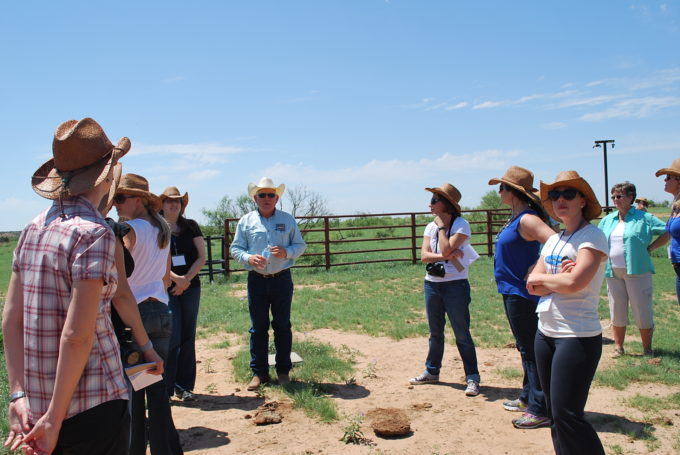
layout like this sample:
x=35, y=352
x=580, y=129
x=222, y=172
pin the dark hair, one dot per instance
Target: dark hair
x=181, y=223
x=626, y=188
x=538, y=208
x=450, y=208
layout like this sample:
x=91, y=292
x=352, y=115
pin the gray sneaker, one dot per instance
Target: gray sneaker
x=515, y=406
x=425, y=378
x=472, y=389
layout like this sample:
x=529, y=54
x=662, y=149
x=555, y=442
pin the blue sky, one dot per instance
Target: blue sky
x=363, y=101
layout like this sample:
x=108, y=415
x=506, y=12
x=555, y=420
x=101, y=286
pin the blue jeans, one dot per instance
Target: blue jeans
x=265, y=294
x=180, y=370
x=450, y=298
x=162, y=435
x=523, y=321
x=566, y=367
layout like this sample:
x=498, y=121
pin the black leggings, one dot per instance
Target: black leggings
x=566, y=367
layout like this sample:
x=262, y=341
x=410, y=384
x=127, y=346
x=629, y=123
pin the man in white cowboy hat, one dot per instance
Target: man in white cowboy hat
x=63, y=361
x=267, y=241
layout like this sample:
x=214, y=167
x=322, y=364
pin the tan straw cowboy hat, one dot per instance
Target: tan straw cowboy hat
x=673, y=170
x=136, y=185
x=571, y=179
x=265, y=183
x=82, y=157
x=449, y=192
x=520, y=179
x=172, y=192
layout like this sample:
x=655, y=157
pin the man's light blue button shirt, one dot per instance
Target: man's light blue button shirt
x=255, y=232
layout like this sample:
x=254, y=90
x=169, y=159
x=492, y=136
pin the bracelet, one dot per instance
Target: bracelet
x=147, y=347
x=16, y=395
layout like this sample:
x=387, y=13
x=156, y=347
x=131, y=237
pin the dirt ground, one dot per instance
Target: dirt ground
x=443, y=420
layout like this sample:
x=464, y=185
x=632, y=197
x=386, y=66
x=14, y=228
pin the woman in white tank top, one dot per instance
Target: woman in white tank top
x=149, y=244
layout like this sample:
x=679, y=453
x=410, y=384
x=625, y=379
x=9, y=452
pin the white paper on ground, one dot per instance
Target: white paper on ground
x=140, y=377
x=294, y=358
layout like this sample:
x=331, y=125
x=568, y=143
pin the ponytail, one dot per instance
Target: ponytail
x=163, y=227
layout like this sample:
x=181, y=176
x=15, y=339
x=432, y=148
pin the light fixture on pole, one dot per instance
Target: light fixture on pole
x=603, y=144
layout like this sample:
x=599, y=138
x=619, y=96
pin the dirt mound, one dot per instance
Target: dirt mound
x=389, y=422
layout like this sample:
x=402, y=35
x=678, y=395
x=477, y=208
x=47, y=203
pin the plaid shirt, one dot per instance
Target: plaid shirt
x=53, y=253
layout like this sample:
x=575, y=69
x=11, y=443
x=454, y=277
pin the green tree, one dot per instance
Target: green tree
x=491, y=200
x=228, y=208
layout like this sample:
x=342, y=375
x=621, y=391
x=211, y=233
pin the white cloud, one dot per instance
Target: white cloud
x=634, y=107
x=460, y=105
x=487, y=104
x=206, y=174
x=206, y=153
x=22, y=211
x=554, y=125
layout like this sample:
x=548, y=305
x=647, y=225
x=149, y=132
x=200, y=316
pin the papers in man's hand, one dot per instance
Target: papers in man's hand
x=140, y=377
x=470, y=255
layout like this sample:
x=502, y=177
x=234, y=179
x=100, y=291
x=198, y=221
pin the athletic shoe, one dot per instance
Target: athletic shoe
x=529, y=421
x=472, y=389
x=618, y=352
x=185, y=395
x=648, y=353
x=515, y=405
x=425, y=378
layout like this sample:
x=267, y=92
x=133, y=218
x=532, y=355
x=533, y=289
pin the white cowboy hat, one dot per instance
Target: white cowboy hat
x=265, y=182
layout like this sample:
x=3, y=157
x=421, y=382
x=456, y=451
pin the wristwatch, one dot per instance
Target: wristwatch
x=16, y=395
x=441, y=228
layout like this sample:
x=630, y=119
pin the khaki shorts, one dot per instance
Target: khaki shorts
x=623, y=289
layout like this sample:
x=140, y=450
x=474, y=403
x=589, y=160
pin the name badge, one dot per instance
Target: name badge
x=178, y=260
x=281, y=227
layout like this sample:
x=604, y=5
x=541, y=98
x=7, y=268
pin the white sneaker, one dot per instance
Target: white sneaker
x=472, y=389
x=425, y=378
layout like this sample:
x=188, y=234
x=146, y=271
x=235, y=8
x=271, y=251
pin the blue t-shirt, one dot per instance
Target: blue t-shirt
x=673, y=228
x=512, y=260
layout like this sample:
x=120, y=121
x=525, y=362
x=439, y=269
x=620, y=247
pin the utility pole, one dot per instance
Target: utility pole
x=603, y=144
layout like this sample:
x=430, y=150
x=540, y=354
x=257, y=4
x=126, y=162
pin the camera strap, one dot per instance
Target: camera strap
x=454, y=261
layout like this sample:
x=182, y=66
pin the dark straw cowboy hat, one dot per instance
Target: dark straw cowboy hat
x=673, y=170
x=520, y=179
x=172, y=192
x=571, y=179
x=449, y=192
x=82, y=158
x=107, y=201
x=136, y=185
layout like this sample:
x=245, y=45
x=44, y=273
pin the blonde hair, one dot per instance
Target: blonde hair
x=162, y=225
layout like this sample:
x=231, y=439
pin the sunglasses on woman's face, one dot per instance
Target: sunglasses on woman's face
x=120, y=198
x=567, y=194
x=670, y=177
x=264, y=195
x=617, y=196
x=502, y=188
x=434, y=200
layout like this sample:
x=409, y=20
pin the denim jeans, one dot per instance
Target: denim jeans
x=161, y=435
x=265, y=294
x=180, y=370
x=450, y=298
x=566, y=367
x=523, y=321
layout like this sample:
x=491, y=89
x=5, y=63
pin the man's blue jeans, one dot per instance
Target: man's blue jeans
x=450, y=298
x=180, y=370
x=523, y=321
x=265, y=294
x=159, y=429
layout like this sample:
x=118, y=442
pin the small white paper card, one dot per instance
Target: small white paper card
x=178, y=260
x=140, y=377
x=544, y=304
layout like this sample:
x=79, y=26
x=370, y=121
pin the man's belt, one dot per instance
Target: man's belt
x=269, y=275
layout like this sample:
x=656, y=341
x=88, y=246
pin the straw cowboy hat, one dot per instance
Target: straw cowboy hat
x=107, y=201
x=136, y=185
x=449, y=192
x=571, y=179
x=172, y=192
x=643, y=200
x=673, y=170
x=82, y=158
x=520, y=179
x=267, y=183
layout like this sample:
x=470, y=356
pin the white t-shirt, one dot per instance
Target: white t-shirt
x=616, y=254
x=572, y=315
x=460, y=226
x=151, y=263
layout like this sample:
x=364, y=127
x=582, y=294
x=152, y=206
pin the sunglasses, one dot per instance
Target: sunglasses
x=434, y=200
x=120, y=198
x=264, y=195
x=617, y=196
x=670, y=177
x=502, y=187
x=568, y=194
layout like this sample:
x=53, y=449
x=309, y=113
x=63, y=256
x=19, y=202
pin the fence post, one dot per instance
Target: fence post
x=225, y=246
x=210, y=264
x=489, y=233
x=327, y=241
x=413, y=238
